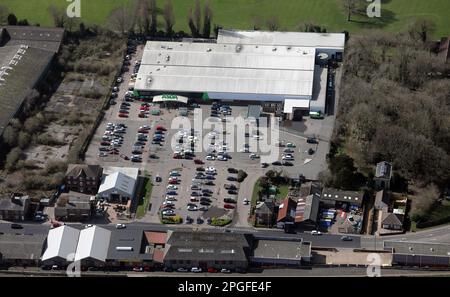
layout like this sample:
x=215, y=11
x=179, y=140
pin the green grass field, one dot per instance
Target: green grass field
x=396, y=14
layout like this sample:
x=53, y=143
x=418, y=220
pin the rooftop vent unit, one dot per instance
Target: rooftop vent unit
x=167, y=58
x=208, y=50
x=289, y=47
x=124, y=248
x=274, y=49
x=238, y=48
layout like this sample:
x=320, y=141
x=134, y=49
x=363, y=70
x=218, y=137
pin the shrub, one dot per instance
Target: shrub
x=55, y=167
x=241, y=175
x=12, y=158
x=220, y=221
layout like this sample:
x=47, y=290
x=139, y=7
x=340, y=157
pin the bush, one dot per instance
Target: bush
x=220, y=221
x=12, y=158
x=241, y=176
x=56, y=167
x=172, y=220
x=24, y=140
x=46, y=139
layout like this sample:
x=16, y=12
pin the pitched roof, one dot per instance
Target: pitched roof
x=286, y=208
x=392, y=219
x=307, y=208
x=156, y=237
x=77, y=170
x=61, y=242
x=16, y=79
x=119, y=182
x=384, y=170
x=93, y=244
x=43, y=38
x=382, y=200
x=264, y=208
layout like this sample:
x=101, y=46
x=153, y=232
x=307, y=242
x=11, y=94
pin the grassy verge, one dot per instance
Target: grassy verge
x=144, y=203
x=283, y=191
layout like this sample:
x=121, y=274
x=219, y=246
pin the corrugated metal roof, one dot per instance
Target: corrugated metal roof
x=120, y=182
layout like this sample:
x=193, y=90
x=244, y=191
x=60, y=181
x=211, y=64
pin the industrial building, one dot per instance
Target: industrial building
x=251, y=66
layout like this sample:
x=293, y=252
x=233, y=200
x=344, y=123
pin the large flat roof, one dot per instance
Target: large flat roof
x=278, y=249
x=21, y=246
x=305, y=39
x=205, y=67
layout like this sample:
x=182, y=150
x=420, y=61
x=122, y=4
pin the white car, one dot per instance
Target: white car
x=120, y=226
x=222, y=158
x=168, y=212
x=172, y=187
x=170, y=198
x=196, y=269
x=253, y=156
x=210, y=158
x=170, y=203
x=88, y=226
x=119, y=80
x=146, y=127
x=257, y=137
x=287, y=158
x=316, y=232
x=210, y=169
x=192, y=208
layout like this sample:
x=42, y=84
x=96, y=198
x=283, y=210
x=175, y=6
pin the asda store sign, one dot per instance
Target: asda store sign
x=169, y=97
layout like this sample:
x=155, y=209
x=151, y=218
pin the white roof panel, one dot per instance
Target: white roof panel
x=305, y=39
x=61, y=242
x=93, y=243
x=120, y=182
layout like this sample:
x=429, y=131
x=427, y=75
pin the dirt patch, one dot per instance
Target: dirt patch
x=215, y=212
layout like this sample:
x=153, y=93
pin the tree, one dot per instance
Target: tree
x=12, y=19
x=24, y=140
x=154, y=17
x=194, y=29
x=143, y=16
x=59, y=15
x=12, y=158
x=23, y=22
x=169, y=18
x=207, y=20
x=197, y=15
x=351, y=6
x=122, y=19
x=3, y=14
x=10, y=136
x=272, y=23
x=421, y=29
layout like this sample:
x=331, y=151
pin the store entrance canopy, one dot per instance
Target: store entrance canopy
x=170, y=98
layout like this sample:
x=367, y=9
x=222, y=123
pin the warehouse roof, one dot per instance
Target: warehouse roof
x=61, y=242
x=93, y=244
x=419, y=248
x=206, y=67
x=17, y=79
x=43, y=38
x=343, y=196
x=13, y=246
x=281, y=249
x=127, y=244
x=306, y=39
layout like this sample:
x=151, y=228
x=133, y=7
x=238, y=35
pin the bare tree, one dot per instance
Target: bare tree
x=194, y=30
x=143, y=16
x=207, y=20
x=351, y=6
x=421, y=29
x=122, y=19
x=59, y=15
x=198, y=15
x=272, y=23
x=169, y=18
x=3, y=14
x=154, y=17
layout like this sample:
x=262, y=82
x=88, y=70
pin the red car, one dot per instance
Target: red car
x=199, y=162
x=212, y=270
x=142, y=115
x=105, y=143
x=228, y=206
x=144, y=108
x=161, y=128
x=177, y=156
x=143, y=131
x=124, y=157
x=123, y=115
x=173, y=182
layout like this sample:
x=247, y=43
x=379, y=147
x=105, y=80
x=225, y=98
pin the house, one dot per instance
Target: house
x=307, y=210
x=420, y=254
x=264, y=213
x=383, y=175
x=21, y=249
x=272, y=252
x=74, y=207
x=118, y=184
x=390, y=219
x=286, y=211
x=83, y=178
x=14, y=207
x=186, y=249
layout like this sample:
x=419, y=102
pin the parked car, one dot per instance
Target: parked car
x=228, y=206
x=312, y=140
x=232, y=170
x=224, y=270
x=229, y=200
x=182, y=269
x=231, y=178
x=120, y=226
x=16, y=226
x=276, y=163
x=316, y=232
x=198, y=161
x=346, y=238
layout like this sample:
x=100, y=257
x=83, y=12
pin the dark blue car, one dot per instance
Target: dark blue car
x=171, y=193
